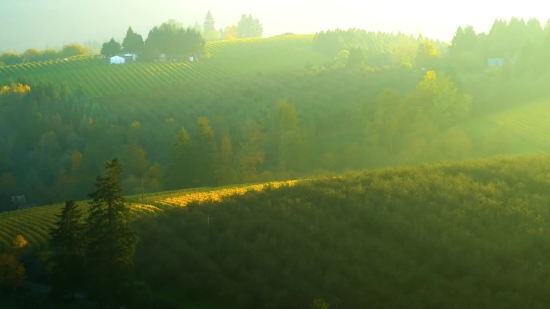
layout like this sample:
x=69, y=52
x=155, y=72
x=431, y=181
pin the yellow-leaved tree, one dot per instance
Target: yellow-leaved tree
x=19, y=242
x=427, y=55
x=12, y=272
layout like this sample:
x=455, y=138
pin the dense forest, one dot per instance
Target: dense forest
x=470, y=233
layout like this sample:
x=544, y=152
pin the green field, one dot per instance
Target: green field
x=531, y=122
x=227, y=58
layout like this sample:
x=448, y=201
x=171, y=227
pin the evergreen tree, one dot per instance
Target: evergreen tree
x=180, y=169
x=248, y=27
x=111, y=243
x=110, y=48
x=209, y=24
x=207, y=156
x=67, y=239
x=133, y=42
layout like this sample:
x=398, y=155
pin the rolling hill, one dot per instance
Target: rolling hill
x=470, y=234
x=34, y=223
x=227, y=58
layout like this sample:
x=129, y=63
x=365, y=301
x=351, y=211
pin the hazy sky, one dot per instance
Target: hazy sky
x=35, y=23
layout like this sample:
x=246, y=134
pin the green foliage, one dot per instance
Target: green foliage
x=133, y=42
x=172, y=40
x=209, y=24
x=249, y=27
x=110, y=241
x=397, y=238
x=111, y=48
x=67, y=240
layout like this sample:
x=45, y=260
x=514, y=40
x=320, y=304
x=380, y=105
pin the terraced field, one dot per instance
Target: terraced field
x=34, y=223
x=229, y=57
x=531, y=122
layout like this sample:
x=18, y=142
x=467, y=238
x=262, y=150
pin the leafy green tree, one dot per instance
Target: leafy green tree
x=206, y=154
x=67, y=240
x=111, y=243
x=72, y=50
x=133, y=42
x=110, y=48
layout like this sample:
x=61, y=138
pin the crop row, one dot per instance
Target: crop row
x=34, y=224
x=531, y=122
x=97, y=78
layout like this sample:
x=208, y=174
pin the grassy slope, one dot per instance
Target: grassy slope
x=34, y=223
x=232, y=57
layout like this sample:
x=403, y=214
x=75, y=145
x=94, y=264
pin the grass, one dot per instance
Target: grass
x=34, y=223
x=228, y=57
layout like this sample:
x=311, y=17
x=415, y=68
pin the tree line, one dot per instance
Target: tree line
x=34, y=55
x=173, y=39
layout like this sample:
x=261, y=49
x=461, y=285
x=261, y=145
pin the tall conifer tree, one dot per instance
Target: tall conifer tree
x=207, y=155
x=209, y=24
x=69, y=246
x=180, y=169
x=111, y=242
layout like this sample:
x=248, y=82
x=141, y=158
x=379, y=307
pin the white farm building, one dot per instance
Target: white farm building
x=117, y=60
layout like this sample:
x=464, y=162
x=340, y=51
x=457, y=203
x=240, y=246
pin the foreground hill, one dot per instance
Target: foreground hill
x=451, y=235
x=228, y=58
x=470, y=234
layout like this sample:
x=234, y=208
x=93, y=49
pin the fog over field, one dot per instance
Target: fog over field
x=38, y=23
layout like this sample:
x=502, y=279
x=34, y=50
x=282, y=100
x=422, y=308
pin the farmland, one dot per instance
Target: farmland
x=226, y=58
x=34, y=223
x=531, y=121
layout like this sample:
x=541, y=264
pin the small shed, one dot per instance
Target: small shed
x=130, y=57
x=117, y=60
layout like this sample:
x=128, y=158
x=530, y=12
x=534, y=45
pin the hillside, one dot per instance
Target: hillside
x=450, y=235
x=34, y=223
x=228, y=58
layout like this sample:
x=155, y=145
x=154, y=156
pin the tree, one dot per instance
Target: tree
x=231, y=32
x=427, y=55
x=132, y=42
x=111, y=243
x=171, y=39
x=180, y=167
x=67, y=240
x=72, y=50
x=19, y=242
x=252, y=151
x=110, y=48
x=206, y=154
x=208, y=24
x=248, y=27
x=227, y=174
x=12, y=272
x=356, y=58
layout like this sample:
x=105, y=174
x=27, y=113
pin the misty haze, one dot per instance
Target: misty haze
x=289, y=154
